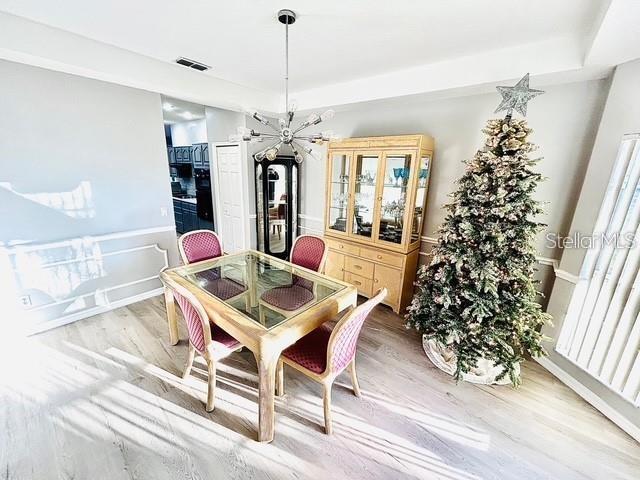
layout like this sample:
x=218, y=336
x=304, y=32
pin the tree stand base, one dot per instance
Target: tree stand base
x=485, y=373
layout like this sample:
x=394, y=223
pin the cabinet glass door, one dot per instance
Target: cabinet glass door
x=424, y=171
x=365, y=180
x=340, y=164
x=395, y=186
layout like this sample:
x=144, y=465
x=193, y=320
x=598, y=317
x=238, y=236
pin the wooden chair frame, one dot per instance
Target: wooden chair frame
x=211, y=355
x=327, y=377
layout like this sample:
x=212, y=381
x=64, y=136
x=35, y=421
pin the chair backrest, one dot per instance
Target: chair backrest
x=196, y=318
x=310, y=252
x=344, y=337
x=199, y=245
x=282, y=207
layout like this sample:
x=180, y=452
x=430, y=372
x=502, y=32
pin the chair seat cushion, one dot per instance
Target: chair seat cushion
x=218, y=335
x=311, y=350
x=288, y=298
x=224, y=288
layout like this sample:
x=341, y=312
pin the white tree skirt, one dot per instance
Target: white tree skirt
x=443, y=358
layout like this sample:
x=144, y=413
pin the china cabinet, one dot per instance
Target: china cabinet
x=376, y=199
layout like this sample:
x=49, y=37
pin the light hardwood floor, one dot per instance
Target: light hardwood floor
x=102, y=399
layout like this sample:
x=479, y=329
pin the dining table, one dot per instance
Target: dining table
x=238, y=291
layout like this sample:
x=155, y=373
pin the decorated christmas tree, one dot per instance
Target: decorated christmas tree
x=476, y=300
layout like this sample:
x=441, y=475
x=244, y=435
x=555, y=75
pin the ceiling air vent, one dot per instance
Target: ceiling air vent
x=201, y=67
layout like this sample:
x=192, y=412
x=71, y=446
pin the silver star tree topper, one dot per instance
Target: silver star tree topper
x=516, y=97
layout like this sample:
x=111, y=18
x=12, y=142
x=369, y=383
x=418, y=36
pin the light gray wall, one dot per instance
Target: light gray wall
x=621, y=116
x=79, y=159
x=564, y=120
x=221, y=123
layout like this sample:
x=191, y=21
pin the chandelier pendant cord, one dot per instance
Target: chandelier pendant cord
x=285, y=134
x=286, y=66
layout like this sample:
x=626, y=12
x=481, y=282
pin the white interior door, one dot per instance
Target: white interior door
x=232, y=212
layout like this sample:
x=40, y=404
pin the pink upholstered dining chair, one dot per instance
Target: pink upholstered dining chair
x=310, y=252
x=324, y=353
x=307, y=251
x=205, y=339
x=199, y=245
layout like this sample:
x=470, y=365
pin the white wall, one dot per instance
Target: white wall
x=621, y=116
x=80, y=160
x=564, y=122
x=189, y=133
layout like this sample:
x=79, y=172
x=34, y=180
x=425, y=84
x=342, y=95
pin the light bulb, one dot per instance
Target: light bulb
x=282, y=122
x=327, y=135
x=293, y=106
x=250, y=111
x=236, y=138
x=298, y=157
x=259, y=156
x=313, y=119
x=271, y=154
x=328, y=115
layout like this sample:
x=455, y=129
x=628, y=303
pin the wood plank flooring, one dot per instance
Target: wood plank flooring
x=103, y=399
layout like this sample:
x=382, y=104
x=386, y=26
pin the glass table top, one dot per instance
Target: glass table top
x=265, y=289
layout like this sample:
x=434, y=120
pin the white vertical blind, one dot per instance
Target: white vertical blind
x=601, y=331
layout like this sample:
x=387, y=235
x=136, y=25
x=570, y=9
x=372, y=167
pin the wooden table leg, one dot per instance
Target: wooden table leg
x=171, y=316
x=252, y=282
x=267, y=366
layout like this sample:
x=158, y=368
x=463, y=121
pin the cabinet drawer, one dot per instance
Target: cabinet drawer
x=359, y=267
x=342, y=247
x=394, y=259
x=361, y=283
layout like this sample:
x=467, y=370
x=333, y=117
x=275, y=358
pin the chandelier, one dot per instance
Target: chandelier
x=284, y=133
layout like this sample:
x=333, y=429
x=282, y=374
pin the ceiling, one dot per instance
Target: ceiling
x=336, y=46
x=244, y=43
x=176, y=111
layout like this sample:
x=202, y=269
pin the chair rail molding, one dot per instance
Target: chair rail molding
x=68, y=280
x=309, y=219
x=552, y=262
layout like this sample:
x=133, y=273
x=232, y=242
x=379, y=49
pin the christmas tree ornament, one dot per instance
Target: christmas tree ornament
x=517, y=97
x=476, y=302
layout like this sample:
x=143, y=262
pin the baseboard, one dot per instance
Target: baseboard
x=74, y=317
x=590, y=397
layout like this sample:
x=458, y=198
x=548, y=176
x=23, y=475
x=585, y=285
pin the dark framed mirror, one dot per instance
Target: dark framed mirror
x=276, y=204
